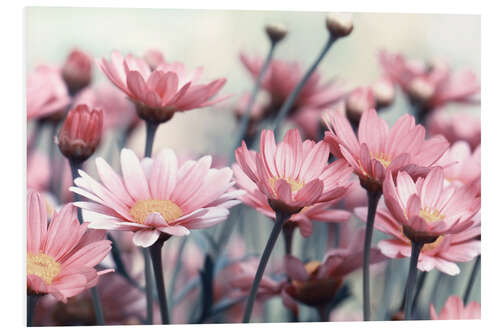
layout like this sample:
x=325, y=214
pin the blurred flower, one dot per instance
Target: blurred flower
x=80, y=133
x=257, y=112
x=61, y=256
x=384, y=92
x=427, y=209
x=160, y=93
x=377, y=149
x=276, y=32
x=442, y=254
x=454, y=309
x=461, y=166
x=154, y=58
x=339, y=24
x=358, y=101
x=431, y=86
x=46, y=93
x=157, y=195
x=344, y=315
x=77, y=71
x=293, y=174
x=455, y=127
x=356, y=196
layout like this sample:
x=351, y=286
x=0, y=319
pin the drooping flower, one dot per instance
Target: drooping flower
x=454, y=309
x=157, y=195
x=442, y=254
x=80, y=133
x=61, y=255
x=158, y=94
x=378, y=149
x=77, y=71
x=427, y=209
x=293, y=174
x=456, y=127
x=46, y=92
x=431, y=86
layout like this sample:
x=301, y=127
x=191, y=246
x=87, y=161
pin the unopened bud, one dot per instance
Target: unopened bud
x=420, y=90
x=339, y=24
x=359, y=100
x=276, y=32
x=384, y=93
x=77, y=71
x=80, y=133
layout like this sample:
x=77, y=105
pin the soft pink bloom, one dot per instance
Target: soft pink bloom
x=428, y=208
x=160, y=93
x=378, y=149
x=442, y=254
x=118, y=111
x=358, y=101
x=157, y=195
x=461, y=165
x=435, y=85
x=355, y=197
x=309, y=122
x=46, y=92
x=80, y=133
x=454, y=309
x=38, y=171
x=61, y=256
x=154, y=58
x=77, y=71
x=293, y=174
x=455, y=127
x=346, y=315
x=282, y=77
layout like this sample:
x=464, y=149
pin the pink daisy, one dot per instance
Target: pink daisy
x=461, y=165
x=293, y=174
x=454, y=309
x=455, y=127
x=378, y=149
x=160, y=93
x=157, y=195
x=61, y=255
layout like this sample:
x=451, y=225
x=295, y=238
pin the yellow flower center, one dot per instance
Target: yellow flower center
x=43, y=266
x=431, y=215
x=295, y=184
x=166, y=208
x=382, y=158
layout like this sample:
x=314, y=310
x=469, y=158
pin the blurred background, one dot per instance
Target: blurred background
x=214, y=38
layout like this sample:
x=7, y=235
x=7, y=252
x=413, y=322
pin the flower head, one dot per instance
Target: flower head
x=454, y=309
x=378, y=149
x=427, y=208
x=461, y=165
x=157, y=195
x=80, y=133
x=77, y=71
x=154, y=58
x=61, y=256
x=358, y=101
x=46, y=92
x=158, y=94
x=293, y=174
x=456, y=127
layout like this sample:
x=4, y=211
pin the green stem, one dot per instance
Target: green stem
x=285, y=108
x=373, y=199
x=150, y=137
x=280, y=220
x=149, y=286
x=323, y=313
x=412, y=277
x=31, y=304
x=155, y=252
x=420, y=283
x=177, y=268
x=97, y=306
x=472, y=278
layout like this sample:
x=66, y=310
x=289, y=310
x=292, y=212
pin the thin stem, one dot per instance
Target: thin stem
x=280, y=220
x=177, y=268
x=150, y=137
x=420, y=283
x=373, y=199
x=386, y=295
x=412, y=277
x=149, y=286
x=75, y=166
x=97, y=306
x=31, y=304
x=323, y=313
x=285, y=108
x=288, y=231
x=435, y=289
x=472, y=278
x=155, y=252
x=248, y=110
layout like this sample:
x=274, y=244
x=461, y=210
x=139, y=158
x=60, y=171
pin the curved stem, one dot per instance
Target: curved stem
x=373, y=199
x=149, y=286
x=472, y=278
x=31, y=304
x=412, y=277
x=285, y=108
x=150, y=137
x=155, y=251
x=280, y=220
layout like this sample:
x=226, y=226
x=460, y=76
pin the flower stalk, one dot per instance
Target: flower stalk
x=472, y=278
x=416, y=247
x=31, y=304
x=155, y=252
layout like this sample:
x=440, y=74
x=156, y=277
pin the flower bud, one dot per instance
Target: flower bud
x=80, y=133
x=77, y=71
x=339, y=24
x=359, y=100
x=276, y=32
x=420, y=90
x=154, y=58
x=384, y=93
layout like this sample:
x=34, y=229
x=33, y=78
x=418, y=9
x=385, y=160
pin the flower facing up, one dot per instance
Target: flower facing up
x=442, y=254
x=455, y=127
x=80, y=133
x=77, y=71
x=158, y=94
x=61, y=255
x=157, y=195
x=293, y=174
x=46, y=93
x=427, y=208
x=431, y=86
x=378, y=149
x=454, y=309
